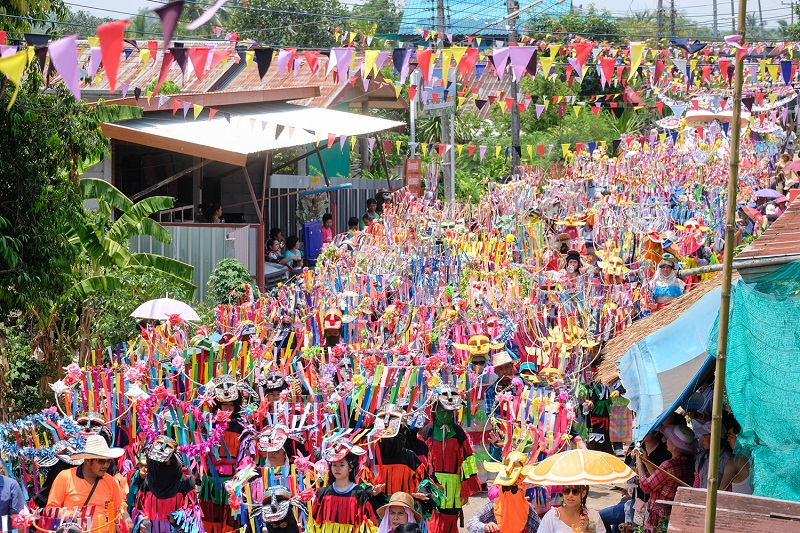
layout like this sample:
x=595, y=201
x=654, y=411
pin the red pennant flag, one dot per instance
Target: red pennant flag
x=211, y=113
x=660, y=107
x=467, y=62
x=153, y=47
x=312, y=58
x=111, y=35
x=199, y=56
x=696, y=105
x=723, y=68
x=722, y=104
x=440, y=147
x=578, y=147
x=540, y=148
x=424, y=60
x=469, y=39
x=521, y=106
x=607, y=66
x=760, y=98
x=699, y=132
x=595, y=110
x=509, y=103
x=620, y=71
x=218, y=56
x=412, y=92
x=471, y=150
x=387, y=146
x=434, y=97
x=176, y=104
x=706, y=73
x=165, y=64
x=740, y=54
x=331, y=139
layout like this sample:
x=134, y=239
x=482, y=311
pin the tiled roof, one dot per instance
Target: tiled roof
x=782, y=238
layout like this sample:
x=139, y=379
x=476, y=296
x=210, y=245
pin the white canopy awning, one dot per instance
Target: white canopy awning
x=236, y=131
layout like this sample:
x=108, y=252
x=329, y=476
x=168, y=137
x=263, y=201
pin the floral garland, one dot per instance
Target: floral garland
x=144, y=407
x=48, y=418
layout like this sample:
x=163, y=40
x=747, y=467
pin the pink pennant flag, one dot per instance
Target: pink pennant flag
x=64, y=55
x=125, y=88
x=186, y=106
x=481, y=152
x=500, y=59
x=217, y=31
x=291, y=132
x=520, y=56
x=111, y=35
x=284, y=55
x=94, y=60
x=331, y=139
x=365, y=82
x=539, y=110
x=205, y=17
x=8, y=50
x=342, y=139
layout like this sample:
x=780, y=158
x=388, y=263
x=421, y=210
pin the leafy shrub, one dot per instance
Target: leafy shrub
x=228, y=280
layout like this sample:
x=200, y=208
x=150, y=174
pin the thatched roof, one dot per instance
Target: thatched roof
x=619, y=345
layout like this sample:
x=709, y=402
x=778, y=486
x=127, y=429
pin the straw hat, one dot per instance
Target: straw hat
x=97, y=448
x=501, y=358
x=400, y=499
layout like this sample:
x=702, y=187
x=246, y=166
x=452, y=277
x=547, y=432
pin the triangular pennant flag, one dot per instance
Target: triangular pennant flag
x=199, y=58
x=218, y=57
x=263, y=60
x=111, y=35
x=481, y=152
x=636, y=57
x=371, y=142
x=425, y=60
x=499, y=59
x=64, y=55
x=497, y=150
x=540, y=149
x=197, y=108
x=162, y=100
x=169, y=14
x=206, y=16
x=520, y=57
x=176, y=104
x=211, y=113
x=186, y=106
x=13, y=67
x=166, y=62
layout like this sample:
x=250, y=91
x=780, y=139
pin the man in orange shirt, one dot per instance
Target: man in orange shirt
x=89, y=487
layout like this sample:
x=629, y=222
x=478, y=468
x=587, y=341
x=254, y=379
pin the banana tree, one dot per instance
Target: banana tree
x=102, y=243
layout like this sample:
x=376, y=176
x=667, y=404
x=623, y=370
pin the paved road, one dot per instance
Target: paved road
x=600, y=497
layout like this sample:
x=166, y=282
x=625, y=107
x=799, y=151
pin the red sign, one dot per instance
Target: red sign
x=414, y=176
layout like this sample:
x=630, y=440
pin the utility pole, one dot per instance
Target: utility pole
x=761, y=21
x=672, y=15
x=660, y=20
x=448, y=164
x=516, y=148
x=715, y=29
x=791, y=6
x=733, y=17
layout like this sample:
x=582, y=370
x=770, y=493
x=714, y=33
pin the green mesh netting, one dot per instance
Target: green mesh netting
x=763, y=378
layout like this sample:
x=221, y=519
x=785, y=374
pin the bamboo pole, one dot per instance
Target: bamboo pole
x=725, y=301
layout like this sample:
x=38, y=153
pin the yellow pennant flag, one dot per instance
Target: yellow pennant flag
x=197, y=108
x=554, y=48
x=370, y=60
x=461, y=100
x=547, y=63
x=93, y=41
x=447, y=55
x=353, y=141
x=497, y=150
x=149, y=96
x=248, y=57
x=458, y=53
x=397, y=145
x=502, y=104
x=144, y=56
x=352, y=36
x=397, y=89
x=424, y=147
x=565, y=149
x=546, y=103
x=763, y=66
x=13, y=67
x=460, y=148
x=603, y=145
x=577, y=110
x=636, y=57
x=662, y=137
x=772, y=98
x=478, y=40
x=773, y=73
x=529, y=149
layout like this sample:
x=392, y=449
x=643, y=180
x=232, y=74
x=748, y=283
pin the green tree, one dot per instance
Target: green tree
x=288, y=22
x=228, y=280
x=387, y=11
x=592, y=23
x=32, y=10
x=85, y=24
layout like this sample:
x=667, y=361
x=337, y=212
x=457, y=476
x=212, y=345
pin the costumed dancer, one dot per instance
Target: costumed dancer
x=54, y=465
x=166, y=489
x=451, y=461
x=275, y=514
x=225, y=391
x=342, y=506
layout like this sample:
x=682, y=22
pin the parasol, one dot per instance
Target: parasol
x=578, y=467
x=767, y=193
x=670, y=123
x=793, y=166
x=163, y=308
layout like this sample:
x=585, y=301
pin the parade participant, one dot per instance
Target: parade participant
x=614, y=270
x=224, y=390
x=666, y=285
x=398, y=468
x=89, y=485
x=275, y=514
x=341, y=505
x=572, y=266
x=504, y=369
x=736, y=477
x=554, y=258
x=510, y=511
x=166, y=489
x=451, y=461
x=136, y=479
x=573, y=516
x=400, y=510
x=59, y=461
x=272, y=385
x=656, y=482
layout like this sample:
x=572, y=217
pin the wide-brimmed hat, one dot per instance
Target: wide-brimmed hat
x=509, y=470
x=61, y=451
x=97, y=448
x=681, y=437
x=400, y=499
x=502, y=358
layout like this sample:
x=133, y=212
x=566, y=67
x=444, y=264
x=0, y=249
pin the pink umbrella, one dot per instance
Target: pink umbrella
x=793, y=166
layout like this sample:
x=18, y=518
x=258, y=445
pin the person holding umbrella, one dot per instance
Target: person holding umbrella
x=573, y=516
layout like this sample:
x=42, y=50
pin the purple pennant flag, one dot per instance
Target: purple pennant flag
x=227, y=116
x=500, y=60
x=125, y=88
x=94, y=60
x=481, y=152
x=7, y=50
x=539, y=109
x=753, y=72
x=383, y=55
x=520, y=56
x=64, y=55
x=784, y=114
x=169, y=13
x=450, y=37
x=371, y=142
x=186, y=106
x=342, y=139
x=424, y=97
x=549, y=148
x=365, y=82
x=573, y=61
x=205, y=17
x=283, y=60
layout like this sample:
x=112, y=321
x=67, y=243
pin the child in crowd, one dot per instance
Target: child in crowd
x=327, y=229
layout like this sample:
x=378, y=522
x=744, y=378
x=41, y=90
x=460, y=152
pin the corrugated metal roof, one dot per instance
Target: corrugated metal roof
x=135, y=74
x=782, y=238
x=465, y=17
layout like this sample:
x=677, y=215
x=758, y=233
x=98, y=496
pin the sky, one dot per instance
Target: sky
x=698, y=10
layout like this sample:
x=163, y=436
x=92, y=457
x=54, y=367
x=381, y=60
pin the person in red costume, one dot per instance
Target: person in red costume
x=452, y=465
